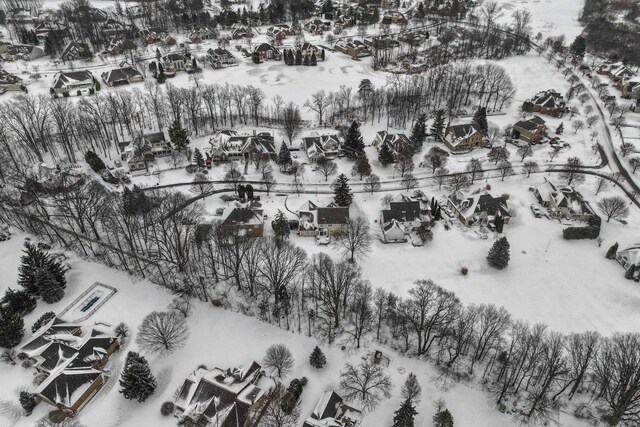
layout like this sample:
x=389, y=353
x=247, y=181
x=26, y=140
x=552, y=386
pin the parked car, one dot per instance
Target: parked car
x=118, y=163
x=110, y=167
x=536, y=211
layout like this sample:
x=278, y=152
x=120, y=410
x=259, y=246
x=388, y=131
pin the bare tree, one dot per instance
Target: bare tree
x=572, y=172
x=279, y=360
x=291, y=121
x=498, y=154
x=366, y=383
x=634, y=162
x=440, y=176
x=233, y=174
x=201, y=185
x=525, y=151
x=626, y=148
x=319, y=103
x=553, y=152
x=474, y=169
x=177, y=159
x=436, y=158
x=326, y=167
x=269, y=182
x=372, y=183
x=275, y=414
x=182, y=305
x=458, y=182
x=361, y=322
x=591, y=120
x=404, y=164
x=409, y=182
x=355, y=241
x=577, y=125
x=162, y=332
x=602, y=183
x=614, y=207
x=505, y=169
x=530, y=167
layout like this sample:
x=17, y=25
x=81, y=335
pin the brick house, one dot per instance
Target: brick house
x=530, y=130
x=463, y=137
x=246, y=220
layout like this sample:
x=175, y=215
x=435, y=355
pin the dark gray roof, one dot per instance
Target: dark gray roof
x=242, y=216
x=464, y=130
x=64, y=77
x=62, y=387
x=402, y=212
x=489, y=204
x=120, y=74
x=337, y=215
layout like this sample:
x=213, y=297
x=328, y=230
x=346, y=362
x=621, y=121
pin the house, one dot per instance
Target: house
x=244, y=220
x=407, y=213
x=174, y=62
x=160, y=147
x=149, y=146
x=43, y=30
x=397, y=142
x=530, y=130
x=393, y=17
x=629, y=256
x=382, y=42
x=219, y=58
x=394, y=232
x=564, y=202
x=355, y=49
x=25, y=52
x=481, y=208
x=630, y=88
x=67, y=83
x=74, y=51
x=308, y=49
x=119, y=45
x=322, y=221
x=548, y=102
x=122, y=76
x=152, y=35
x=332, y=411
x=463, y=137
x=231, y=146
x=112, y=28
x=279, y=32
x=268, y=51
x=317, y=146
x=223, y=397
x=241, y=32
x=73, y=358
x=344, y=21
x=197, y=36
x=19, y=15
x=9, y=81
x=317, y=26
x=616, y=71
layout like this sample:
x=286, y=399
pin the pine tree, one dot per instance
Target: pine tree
x=499, y=254
x=198, y=158
x=353, y=144
x=48, y=288
x=630, y=271
x=27, y=401
x=313, y=61
x=411, y=389
x=255, y=57
x=305, y=60
x=499, y=223
x=19, y=301
x=437, y=128
x=613, y=250
x=43, y=320
x=284, y=156
x=298, y=57
x=403, y=417
x=443, y=418
x=480, y=118
x=385, y=156
x=33, y=260
x=137, y=381
x=280, y=226
x=49, y=46
x=178, y=136
x=560, y=129
x=419, y=133
x=317, y=358
x=11, y=328
x=342, y=191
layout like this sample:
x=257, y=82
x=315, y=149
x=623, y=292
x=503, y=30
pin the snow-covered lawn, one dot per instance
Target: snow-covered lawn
x=552, y=18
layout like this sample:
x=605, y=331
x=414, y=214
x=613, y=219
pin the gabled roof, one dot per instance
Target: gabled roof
x=531, y=124
x=331, y=411
x=549, y=99
x=67, y=386
x=264, y=47
x=64, y=78
x=337, y=215
x=120, y=74
x=402, y=212
x=631, y=253
x=243, y=216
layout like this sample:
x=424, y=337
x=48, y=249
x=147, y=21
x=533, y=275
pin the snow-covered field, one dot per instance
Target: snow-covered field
x=552, y=18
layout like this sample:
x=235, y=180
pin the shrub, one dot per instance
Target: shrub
x=464, y=271
x=293, y=393
x=591, y=231
x=27, y=401
x=27, y=363
x=167, y=408
x=19, y=301
x=8, y=357
x=94, y=161
x=121, y=330
x=43, y=320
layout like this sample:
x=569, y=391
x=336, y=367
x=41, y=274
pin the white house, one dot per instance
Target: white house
x=629, y=256
x=69, y=83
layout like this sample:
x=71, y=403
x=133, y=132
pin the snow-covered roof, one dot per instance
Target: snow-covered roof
x=631, y=254
x=331, y=411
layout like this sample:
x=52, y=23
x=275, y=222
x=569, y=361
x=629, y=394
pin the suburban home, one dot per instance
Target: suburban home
x=197, y=36
x=564, y=202
x=73, y=359
x=43, y=29
x=344, y=21
x=174, y=62
x=317, y=146
x=231, y=146
x=268, y=51
x=152, y=145
x=69, y=83
x=355, y=49
x=397, y=142
x=24, y=52
x=135, y=11
x=629, y=256
x=530, y=130
x=463, y=137
x=74, y=51
x=223, y=397
x=616, y=71
x=9, y=81
x=279, y=32
x=112, y=28
x=308, y=49
x=19, y=15
x=245, y=220
x=241, y=32
x=630, y=88
x=547, y=102
x=393, y=17
x=160, y=147
x=394, y=232
x=122, y=76
x=219, y=58
x=322, y=221
x=317, y=26
x=332, y=411
x=408, y=214
x=478, y=208
x=119, y=45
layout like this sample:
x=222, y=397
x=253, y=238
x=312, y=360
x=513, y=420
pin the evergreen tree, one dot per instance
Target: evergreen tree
x=21, y=302
x=298, y=60
x=317, y=358
x=241, y=191
x=403, y=417
x=419, y=133
x=361, y=167
x=342, y=191
x=11, y=328
x=385, y=155
x=255, y=57
x=353, y=143
x=560, y=129
x=33, y=260
x=411, y=389
x=27, y=401
x=43, y=320
x=313, y=61
x=305, y=60
x=249, y=190
x=630, y=271
x=578, y=47
x=480, y=118
x=280, y=226
x=137, y=382
x=437, y=128
x=499, y=223
x=322, y=55
x=49, y=46
x=178, y=136
x=443, y=418
x=613, y=250
x=198, y=158
x=48, y=288
x=499, y=254
x=284, y=157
